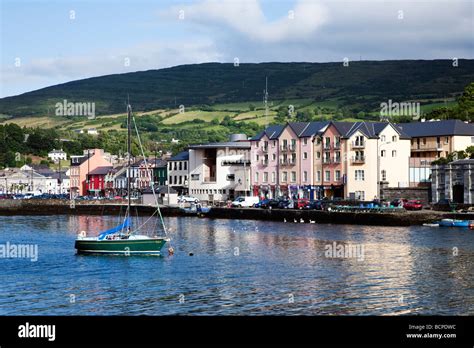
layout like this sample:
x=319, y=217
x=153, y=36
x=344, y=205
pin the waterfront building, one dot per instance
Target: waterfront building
x=95, y=181
x=27, y=179
x=82, y=165
x=57, y=155
x=329, y=159
x=220, y=171
x=453, y=181
x=178, y=172
x=431, y=140
x=265, y=157
x=160, y=171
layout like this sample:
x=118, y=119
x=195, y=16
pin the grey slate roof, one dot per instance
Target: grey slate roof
x=100, y=171
x=437, y=128
x=272, y=132
x=182, y=156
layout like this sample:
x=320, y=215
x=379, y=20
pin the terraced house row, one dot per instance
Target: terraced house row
x=344, y=159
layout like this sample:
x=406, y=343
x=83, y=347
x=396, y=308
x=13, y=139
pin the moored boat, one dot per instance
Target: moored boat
x=455, y=223
x=122, y=239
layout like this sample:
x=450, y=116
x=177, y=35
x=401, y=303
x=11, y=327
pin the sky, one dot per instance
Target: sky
x=45, y=42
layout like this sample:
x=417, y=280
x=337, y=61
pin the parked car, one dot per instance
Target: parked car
x=301, y=203
x=413, y=204
x=187, y=199
x=268, y=203
x=286, y=204
x=243, y=201
x=316, y=205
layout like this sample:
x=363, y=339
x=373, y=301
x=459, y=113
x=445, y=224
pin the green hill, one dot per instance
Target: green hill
x=361, y=86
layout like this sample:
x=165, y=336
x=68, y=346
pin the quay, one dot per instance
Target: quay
x=401, y=218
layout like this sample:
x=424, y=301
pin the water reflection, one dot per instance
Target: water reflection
x=241, y=267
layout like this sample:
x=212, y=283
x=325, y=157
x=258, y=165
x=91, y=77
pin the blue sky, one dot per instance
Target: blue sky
x=52, y=48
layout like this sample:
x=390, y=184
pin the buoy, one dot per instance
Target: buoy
x=312, y=221
x=294, y=220
x=284, y=220
x=170, y=251
x=191, y=254
x=301, y=221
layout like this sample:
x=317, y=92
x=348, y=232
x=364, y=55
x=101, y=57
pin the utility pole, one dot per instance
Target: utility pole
x=265, y=100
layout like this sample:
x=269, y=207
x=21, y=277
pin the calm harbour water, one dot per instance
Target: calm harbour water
x=239, y=268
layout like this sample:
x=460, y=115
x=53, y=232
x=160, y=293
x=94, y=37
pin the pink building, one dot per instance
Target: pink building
x=264, y=152
x=329, y=163
x=81, y=166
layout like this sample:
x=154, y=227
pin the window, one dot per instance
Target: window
x=394, y=153
x=170, y=166
x=256, y=177
x=185, y=165
x=327, y=142
x=305, y=155
x=338, y=156
x=231, y=177
x=424, y=141
x=274, y=143
x=175, y=165
x=337, y=175
x=305, y=176
x=305, y=141
x=273, y=157
x=180, y=180
x=170, y=180
x=194, y=176
x=384, y=175
x=327, y=175
x=360, y=195
x=265, y=176
x=256, y=157
x=180, y=165
x=284, y=177
x=175, y=179
x=318, y=140
x=382, y=153
x=293, y=144
x=394, y=138
x=256, y=144
x=293, y=176
x=318, y=155
x=273, y=176
x=318, y=176
x=382, y=138
x=359, y=175
x=337, y=141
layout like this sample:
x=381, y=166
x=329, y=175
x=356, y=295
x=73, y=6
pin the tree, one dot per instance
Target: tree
x=251, y=107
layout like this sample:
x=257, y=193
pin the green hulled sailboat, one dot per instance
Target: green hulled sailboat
x=123, y=239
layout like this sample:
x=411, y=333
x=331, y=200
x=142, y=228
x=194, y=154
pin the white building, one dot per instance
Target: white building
x=27, y=179
x=219, y=171
x=57, y=155
x=178, y=172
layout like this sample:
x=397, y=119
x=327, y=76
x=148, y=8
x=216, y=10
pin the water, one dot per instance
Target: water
x=240, y=268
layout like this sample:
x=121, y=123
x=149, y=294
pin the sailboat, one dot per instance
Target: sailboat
x=124, y=239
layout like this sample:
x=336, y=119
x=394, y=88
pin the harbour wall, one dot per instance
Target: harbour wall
x=58, y=207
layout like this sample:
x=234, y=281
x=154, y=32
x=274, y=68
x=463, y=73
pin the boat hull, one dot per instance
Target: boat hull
x=123, y=246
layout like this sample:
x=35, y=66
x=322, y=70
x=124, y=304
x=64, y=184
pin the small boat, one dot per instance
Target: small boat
x=455, y=223
x=431, y=225
x=122, y=239
x=196, y=209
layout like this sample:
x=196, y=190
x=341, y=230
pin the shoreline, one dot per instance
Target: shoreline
x=402, y=218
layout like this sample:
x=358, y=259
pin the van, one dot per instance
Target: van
x=245, y=201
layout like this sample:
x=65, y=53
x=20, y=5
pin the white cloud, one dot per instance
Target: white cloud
x=248, y=18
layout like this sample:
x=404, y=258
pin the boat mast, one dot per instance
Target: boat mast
x=129, y=151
